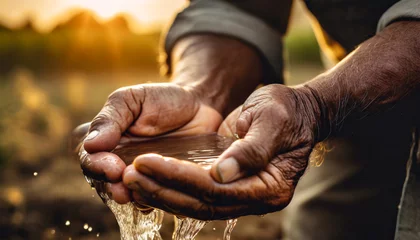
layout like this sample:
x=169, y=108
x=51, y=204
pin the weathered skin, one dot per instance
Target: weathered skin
x=278, y=126
x=189, y=105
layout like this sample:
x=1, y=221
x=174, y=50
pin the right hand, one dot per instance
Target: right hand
x=144, y=110
x=277, y=126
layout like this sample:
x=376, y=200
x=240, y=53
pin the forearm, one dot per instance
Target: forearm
x=383, y=73
x=220, y=70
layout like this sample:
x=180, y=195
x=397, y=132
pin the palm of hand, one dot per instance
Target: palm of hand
x=142, y=111
x=275, y=142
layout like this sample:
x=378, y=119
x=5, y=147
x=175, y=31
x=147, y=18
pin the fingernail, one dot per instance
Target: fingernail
x=92, y=135
x=124, y=140
x=143, y=169
x=228, y=170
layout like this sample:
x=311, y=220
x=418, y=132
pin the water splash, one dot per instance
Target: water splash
x=187, y=228
x=230, y=224
x=202, y=150
x=134, y=225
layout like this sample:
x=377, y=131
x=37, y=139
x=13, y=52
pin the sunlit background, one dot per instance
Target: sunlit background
x=48, y=13
x=59, y=59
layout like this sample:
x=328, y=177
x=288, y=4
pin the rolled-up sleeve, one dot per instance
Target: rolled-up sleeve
x=222, y=17
x=402, y=10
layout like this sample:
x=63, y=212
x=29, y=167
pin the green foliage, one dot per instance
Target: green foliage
x=302, y=48
x=68, y=50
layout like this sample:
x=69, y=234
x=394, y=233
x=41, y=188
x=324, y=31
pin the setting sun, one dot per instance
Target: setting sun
x=104, y=9
x=46, y=13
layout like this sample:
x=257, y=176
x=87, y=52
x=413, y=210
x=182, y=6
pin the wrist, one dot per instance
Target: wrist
x=316, y=112
x=221, y=71
x=214, y=96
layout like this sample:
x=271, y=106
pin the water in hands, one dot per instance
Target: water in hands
x=136, y=224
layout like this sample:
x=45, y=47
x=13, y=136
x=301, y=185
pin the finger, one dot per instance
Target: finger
x=149, y=192
x=194, y=180
x=250, y=154
x=77, y=136
x=139, y=202
x=121, y=109
x=103, y=166
x=228, y=126
x=174, y=173
x=118, y=192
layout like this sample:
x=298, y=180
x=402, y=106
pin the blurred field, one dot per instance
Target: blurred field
x=50, y=83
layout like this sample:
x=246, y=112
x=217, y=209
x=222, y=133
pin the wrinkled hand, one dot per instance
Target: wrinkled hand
x=144, y=110
x=257, y=174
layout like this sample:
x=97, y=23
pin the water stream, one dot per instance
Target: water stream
x=136, y=225
x=230, y=224
x=187, y=228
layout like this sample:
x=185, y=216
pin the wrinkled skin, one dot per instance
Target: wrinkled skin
x=142, y=111
x=204, y=86
x=273, y=151
x=278, y=127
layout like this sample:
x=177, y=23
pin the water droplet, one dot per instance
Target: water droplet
x=214, y=229
x=86, y=226
x=67, y=223
x=90, y=229
x=35, y=174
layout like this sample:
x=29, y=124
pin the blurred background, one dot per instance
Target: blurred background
x=59, y=60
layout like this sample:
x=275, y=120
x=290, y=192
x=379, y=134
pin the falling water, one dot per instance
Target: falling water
x=135, y=225
x=230, y=224
x=187, y=228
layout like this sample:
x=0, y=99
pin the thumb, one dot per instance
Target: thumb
x=118, y=114
x=247, y=155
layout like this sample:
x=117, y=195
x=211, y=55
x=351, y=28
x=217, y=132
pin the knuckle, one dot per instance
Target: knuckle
x=204, y=211
x=118, y=94
x=101, y=119
x=209, y=196
x=127, y=101
x=118, y=98
x=157, y=193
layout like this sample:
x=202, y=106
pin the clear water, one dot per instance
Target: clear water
x=230, y=224
x=187, y=228
x=135, y=225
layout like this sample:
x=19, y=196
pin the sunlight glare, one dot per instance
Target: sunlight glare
x=104, y=8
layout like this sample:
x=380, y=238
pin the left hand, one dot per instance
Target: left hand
x=167, y=109
x=255, y=175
